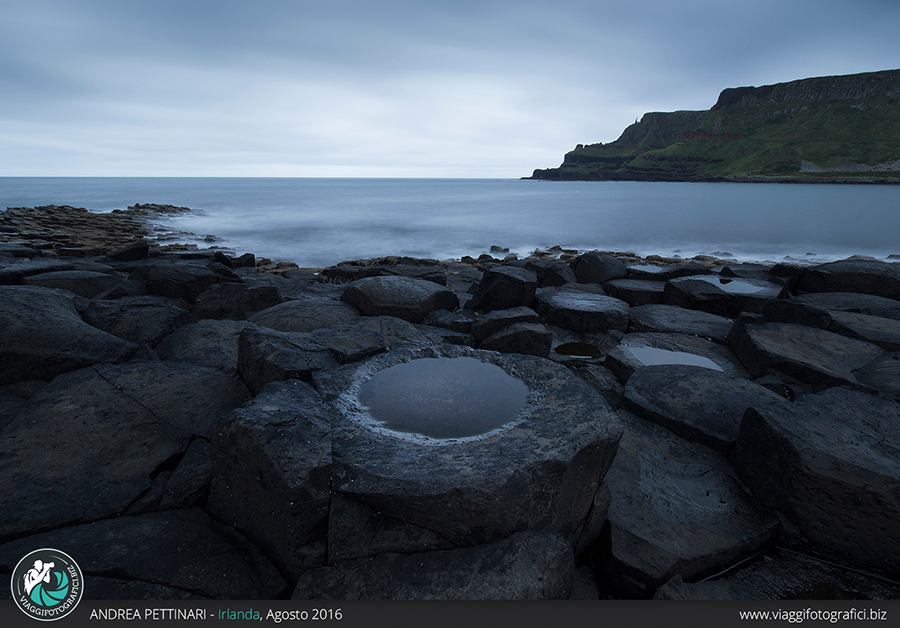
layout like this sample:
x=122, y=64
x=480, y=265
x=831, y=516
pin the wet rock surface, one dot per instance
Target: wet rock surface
x=830, y=463
x=677, y=508
x=122, y=418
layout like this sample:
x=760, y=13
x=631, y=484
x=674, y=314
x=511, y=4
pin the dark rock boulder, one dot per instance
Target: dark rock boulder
x=302, y=315
x=526, y=566
x=84, y=283
x=604, y=382
x=492, y=322
x=636, y=351
x=460, y=321
x=525, y=338
x=15, y=396
x=130, y=253
x=142, y=320
x=82, y=450
x=13, y=271
x=598, y=268
x=868, y=276
x=883, y=375
x=636, y=292
x=673, y=319
x=209, y=343
x=580, y=311
x=695, y=403
x=273, y=457
x=178, y=279
x=403, y=297
x=181, y=549
x=542, y=471
x=551, y=274
x=503, y=288
x=270, y=356
x=43, y=335
x=814, y=309
x=664, y=273
x=882, y=332
x=830, y=464
x=783, y=575
x=814, y=356
x=234, y=301
x=676, y=508
x=723, y=296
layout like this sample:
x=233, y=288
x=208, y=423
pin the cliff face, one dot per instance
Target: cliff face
x=825, y=128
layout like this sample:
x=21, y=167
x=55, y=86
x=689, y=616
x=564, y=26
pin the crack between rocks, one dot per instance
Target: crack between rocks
x=152, y=413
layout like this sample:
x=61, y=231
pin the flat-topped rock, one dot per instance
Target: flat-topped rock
x=676, y=508
x=868, y=276
x=503, y=288
x=541, y=470
x=526, y=566
x=724, y=296
x=142, y=320
x=182, y=549
x=84, y=283
x=581, y=311
x=234, y=301
x=652, y=272
x=636, y=292
x=43, y=335
x=831, y=464
x=673, y=319
x=273, y=456
x=551, y=273
x=492, y=322
x=814, y=356
x=403, y=297
x=179, y=279
x=210, y=343
x=525, y=338
x=698, y=404
x=881, y=332
x=814, y=309
x=13, y=271
x=307, y=314
x=598, y=268
x=638, y=350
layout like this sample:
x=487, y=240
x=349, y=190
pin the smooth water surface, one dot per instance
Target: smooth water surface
x=444, y=397
x=319, y=222
x=654, y=356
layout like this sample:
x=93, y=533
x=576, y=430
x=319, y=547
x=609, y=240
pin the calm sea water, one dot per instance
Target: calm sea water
x=319, y=222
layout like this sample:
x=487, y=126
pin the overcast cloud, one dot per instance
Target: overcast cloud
x=355, y=88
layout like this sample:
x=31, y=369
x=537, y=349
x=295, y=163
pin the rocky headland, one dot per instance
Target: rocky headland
x=190, y=423
x=831, y=129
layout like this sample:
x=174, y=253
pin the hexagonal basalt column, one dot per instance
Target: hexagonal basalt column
x=538, y=467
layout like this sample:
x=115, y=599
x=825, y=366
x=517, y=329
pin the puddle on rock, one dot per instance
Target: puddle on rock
x=653, y=356
x=734, y=286
x=579, y=350
x=444, y=397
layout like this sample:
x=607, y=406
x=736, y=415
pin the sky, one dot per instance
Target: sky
x=354, y=88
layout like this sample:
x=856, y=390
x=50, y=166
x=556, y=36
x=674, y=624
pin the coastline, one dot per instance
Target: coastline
x=203, y=388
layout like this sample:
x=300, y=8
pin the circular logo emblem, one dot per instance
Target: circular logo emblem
x=47, y=584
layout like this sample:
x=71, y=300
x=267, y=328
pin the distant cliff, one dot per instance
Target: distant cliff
x=833, y=128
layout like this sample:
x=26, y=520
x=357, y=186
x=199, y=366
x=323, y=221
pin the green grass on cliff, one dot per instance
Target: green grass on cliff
x=756, y=141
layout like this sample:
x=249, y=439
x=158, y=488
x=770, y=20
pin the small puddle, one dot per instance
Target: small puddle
x=654, y=356
x=444, y=397
x=579, y=350
x=734, y=286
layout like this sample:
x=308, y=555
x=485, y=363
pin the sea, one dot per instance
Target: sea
x=318, y=222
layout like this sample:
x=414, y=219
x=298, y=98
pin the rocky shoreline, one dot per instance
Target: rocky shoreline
x=186, y=423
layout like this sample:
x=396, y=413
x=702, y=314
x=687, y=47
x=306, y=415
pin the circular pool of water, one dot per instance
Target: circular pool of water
x=444, y=397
